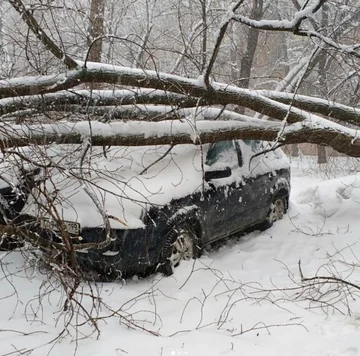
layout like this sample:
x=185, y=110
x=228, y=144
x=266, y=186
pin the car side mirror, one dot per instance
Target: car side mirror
x=223, y=173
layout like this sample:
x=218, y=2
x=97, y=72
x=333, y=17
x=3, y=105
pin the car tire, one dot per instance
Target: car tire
x=180, y=244
x=276, y=212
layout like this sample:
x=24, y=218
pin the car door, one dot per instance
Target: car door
x=222, y=201
x=257, y=175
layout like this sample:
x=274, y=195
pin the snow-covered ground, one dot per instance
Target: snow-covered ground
x=243, y=299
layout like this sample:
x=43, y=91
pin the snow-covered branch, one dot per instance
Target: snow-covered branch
x=139, y=133
x=85, y=99
x=160, y=89
x=315, y=105
x=282, y=25
x=294, y=24
x=223, y=27
x=220, y=94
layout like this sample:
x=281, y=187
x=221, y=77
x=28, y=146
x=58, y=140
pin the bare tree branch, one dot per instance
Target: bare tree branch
x=282, y=25
x=34, y=26
x=222, y=31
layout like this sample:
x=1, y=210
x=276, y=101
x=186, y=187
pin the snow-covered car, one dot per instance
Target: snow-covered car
x=157, y=205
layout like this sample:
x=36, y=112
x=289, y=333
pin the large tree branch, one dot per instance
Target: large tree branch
x=65, y=100
x=223, y=27
x=172, y=90
x=100, y=73
x=35, y=27
x=317, y=131
x=320, y=106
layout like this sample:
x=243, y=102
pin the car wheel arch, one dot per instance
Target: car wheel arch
x=182, y=219
x=179, y=231
x=282, y=193
x=187, y=214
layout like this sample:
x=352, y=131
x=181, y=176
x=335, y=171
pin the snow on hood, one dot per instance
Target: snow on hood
x=116, y=180
x=127, y=181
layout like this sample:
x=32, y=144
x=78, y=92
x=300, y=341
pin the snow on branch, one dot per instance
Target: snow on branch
x=282, y=25
x=150, y=87
x=135, y=133
x=84, y=99
x=220, y=94
x=346, y=49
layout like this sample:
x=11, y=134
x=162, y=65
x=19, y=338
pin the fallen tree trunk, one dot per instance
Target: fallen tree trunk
x=169, y=90
x=219, y=94
x=135, y=133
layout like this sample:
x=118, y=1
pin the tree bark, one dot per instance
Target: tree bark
x=323, y=58
x=251, y=45
x=177, y=132
x=96, y=30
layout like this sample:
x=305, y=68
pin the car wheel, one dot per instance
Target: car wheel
x=277, y=210
x=180, y=245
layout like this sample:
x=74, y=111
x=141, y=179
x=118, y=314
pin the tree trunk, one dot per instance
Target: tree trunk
x=321, y=154
x=251, y=45
x=295, y=150
x=96, y=29
x=321, y=150
x=204, y=35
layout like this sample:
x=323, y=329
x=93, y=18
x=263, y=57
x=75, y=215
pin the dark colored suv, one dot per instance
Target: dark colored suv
x=157, y=205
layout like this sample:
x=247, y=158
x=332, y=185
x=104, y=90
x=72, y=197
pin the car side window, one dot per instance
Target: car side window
x=224, y=152
x=256, y=146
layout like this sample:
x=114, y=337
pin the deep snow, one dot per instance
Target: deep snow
x=210, y=301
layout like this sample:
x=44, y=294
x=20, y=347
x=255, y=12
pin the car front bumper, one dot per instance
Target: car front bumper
x=130, y=251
